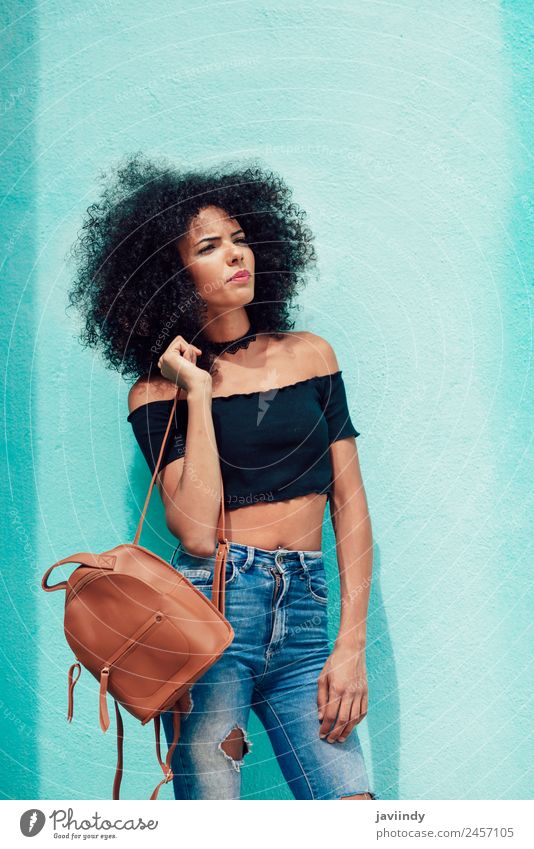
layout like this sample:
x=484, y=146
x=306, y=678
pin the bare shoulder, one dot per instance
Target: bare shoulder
x=144, y=391
x=316, y=351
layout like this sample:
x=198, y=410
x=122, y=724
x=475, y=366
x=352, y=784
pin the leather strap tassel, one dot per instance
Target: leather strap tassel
x=104, y=715
x=72, y=682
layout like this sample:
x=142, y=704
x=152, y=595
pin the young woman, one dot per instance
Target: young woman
x=186, y=280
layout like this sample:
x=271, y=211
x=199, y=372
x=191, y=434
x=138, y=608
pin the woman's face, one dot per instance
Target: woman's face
x=213, y=250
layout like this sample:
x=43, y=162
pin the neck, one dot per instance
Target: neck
x=226, y=327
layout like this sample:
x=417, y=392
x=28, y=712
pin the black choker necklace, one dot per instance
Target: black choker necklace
x=232, y=345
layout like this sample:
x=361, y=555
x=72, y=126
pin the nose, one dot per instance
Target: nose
x=236, y=253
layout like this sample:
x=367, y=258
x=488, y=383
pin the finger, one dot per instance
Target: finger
x=342, y=718
x=348, y=716
x=322, y=695
x=355, y=717
x=180, y=346
x=347, y=731
x=191, y=353
x=330, y=714
x=365, y=703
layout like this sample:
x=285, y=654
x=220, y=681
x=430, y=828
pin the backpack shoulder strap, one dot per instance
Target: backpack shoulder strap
x=120, y=740
x=166, y=766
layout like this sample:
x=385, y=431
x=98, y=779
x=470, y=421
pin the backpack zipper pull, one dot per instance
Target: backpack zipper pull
x=72, y=683
x=104, y=715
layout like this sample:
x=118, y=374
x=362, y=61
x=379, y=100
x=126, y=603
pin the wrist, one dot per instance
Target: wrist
x=350, y=642
x=201, y=391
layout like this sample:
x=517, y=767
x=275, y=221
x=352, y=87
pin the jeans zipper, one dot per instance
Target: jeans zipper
x=277, y=585
x=277, y=572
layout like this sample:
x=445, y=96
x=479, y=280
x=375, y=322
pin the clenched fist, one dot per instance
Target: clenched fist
x=178, y=364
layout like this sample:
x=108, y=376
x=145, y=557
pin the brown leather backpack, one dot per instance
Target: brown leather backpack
x=143, y=630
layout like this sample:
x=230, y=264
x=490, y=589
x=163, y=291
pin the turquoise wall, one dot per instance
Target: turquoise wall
x=403, y=130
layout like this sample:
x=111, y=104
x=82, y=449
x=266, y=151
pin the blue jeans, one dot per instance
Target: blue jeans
x=276, y=603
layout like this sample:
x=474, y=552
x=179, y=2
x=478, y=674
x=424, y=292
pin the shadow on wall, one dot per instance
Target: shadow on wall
x=21, y=572
x=383, y=717
x=383, y=721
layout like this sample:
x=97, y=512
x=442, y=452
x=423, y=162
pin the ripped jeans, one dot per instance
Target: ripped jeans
x=276, y=603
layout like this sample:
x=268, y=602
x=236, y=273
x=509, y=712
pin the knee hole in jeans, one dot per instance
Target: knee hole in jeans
x=235, y=746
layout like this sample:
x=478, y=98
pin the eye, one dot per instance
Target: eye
x=210, y=247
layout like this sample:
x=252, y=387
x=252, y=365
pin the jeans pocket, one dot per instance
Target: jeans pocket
x=201, y=572
x=316, y=583
x=200, y=578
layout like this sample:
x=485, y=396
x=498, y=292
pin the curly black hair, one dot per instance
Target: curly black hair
x=130, y=285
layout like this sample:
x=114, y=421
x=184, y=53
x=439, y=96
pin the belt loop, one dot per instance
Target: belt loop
x=249, y=560
x=277, y=563
x=303, y=562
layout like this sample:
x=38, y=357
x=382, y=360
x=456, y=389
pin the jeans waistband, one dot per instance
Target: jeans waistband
x=244, y=556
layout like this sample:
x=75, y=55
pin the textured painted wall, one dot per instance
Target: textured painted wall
x=402, y=128
x=20, y=525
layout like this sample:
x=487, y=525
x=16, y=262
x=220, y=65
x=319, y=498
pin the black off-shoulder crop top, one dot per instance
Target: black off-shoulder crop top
x=273, y=444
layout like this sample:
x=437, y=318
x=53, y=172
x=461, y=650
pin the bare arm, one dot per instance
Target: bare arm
x=342, y=689
x=352, y=526
x=190, y=487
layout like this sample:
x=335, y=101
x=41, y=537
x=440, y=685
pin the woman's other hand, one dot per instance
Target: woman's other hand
x=342, y=693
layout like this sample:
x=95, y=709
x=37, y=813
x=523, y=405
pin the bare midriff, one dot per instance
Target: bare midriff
x=296, y=523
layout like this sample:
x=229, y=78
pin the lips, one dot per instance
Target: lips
x=240, y=275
